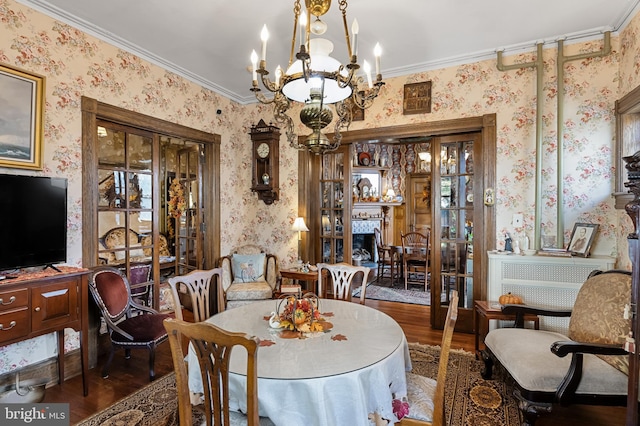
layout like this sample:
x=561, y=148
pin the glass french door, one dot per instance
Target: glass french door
x=125, y=204
x=335, y=227
x=189, y=220
x=457, y=207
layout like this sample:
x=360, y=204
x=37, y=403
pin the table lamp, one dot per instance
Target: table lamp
x=300, y=226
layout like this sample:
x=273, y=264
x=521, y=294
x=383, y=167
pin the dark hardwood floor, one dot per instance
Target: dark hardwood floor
x=128, y=375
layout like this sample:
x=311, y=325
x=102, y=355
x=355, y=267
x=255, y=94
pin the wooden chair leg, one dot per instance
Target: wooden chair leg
x=407, y=272
x=152, y=359
x=105, y=369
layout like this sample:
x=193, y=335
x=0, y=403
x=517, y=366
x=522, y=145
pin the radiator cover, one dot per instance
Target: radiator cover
x=550, y=282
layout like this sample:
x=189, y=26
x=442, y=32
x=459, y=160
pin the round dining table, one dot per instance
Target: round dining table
x=340, y=376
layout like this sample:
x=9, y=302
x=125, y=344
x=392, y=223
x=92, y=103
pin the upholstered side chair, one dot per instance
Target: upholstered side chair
x=588, y=365
x=130, y=324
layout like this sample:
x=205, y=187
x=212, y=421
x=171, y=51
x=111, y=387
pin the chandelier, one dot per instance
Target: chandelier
x=316, y=79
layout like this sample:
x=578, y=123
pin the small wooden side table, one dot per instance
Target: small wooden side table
x=491, y=311
x=310, y=278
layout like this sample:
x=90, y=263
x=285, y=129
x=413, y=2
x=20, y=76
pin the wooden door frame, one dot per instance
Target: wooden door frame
x=485, y=125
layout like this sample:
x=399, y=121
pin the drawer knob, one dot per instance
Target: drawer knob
x=11, y=300
x=11, y=325
x=37, y=309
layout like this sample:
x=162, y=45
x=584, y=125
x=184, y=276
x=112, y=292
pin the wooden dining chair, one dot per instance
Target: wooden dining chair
x=415, y=259
x=342, y=275
x=194, y=293
x=213, y=347
x=385, y=256
x=425, y=395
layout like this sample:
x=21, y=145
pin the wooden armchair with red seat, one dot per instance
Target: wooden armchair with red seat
x=130, y=324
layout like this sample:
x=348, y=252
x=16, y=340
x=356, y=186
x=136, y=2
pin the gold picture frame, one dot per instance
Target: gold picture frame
x=21, y=118
x=417, y=98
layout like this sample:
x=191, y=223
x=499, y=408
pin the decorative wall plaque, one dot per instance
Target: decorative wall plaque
x=417, y=98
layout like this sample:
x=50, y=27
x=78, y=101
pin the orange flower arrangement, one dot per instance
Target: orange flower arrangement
x=301, y=314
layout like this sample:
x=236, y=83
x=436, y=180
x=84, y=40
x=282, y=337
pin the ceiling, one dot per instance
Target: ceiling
x=209, y=42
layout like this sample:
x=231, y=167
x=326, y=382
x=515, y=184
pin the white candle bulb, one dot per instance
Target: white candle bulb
x=278, y=75
x=264, y=36
x=254, y=65
x=377, y=51
x=354, y=29
x=303, y=26
x=367, y=71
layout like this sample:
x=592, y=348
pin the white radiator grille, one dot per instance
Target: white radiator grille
x=547, y=297
x=546, y=272
x=549, y=282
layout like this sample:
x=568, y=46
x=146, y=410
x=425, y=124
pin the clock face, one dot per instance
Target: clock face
x=263, y=150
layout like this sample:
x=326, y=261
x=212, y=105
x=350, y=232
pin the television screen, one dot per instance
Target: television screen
x=33, y=221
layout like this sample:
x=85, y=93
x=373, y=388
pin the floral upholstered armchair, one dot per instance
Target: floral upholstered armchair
x=249, y=274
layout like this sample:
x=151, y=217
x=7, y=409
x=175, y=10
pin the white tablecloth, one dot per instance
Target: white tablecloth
x=321, y=380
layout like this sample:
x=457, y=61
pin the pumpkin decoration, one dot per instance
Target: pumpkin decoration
x=510, y=299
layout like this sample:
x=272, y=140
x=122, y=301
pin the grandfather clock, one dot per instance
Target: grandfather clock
x=265, y=163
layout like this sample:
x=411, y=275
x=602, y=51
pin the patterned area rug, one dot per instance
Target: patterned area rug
x=469, y=399
x=383, y=290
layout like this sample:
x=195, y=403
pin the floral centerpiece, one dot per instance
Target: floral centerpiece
x=301, y=314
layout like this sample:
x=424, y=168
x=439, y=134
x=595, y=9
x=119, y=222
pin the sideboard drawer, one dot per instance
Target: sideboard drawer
x=14, y=324
x=12, y=299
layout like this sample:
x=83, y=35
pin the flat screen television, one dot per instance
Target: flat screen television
x=33, y=221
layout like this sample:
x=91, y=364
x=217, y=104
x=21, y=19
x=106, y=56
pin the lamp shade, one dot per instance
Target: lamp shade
x=299, y=225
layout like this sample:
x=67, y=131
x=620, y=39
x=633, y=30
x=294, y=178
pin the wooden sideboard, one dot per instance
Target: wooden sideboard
x=33, y=304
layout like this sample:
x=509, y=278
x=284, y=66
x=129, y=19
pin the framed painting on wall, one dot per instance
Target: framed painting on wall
x=21, y=118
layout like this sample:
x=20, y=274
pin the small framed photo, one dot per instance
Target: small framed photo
x=581, y=238
x=21, y=118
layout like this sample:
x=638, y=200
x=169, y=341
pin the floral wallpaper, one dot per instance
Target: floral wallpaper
x=76, y=64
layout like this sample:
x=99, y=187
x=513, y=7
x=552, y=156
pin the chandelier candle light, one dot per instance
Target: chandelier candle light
x=316, y=79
